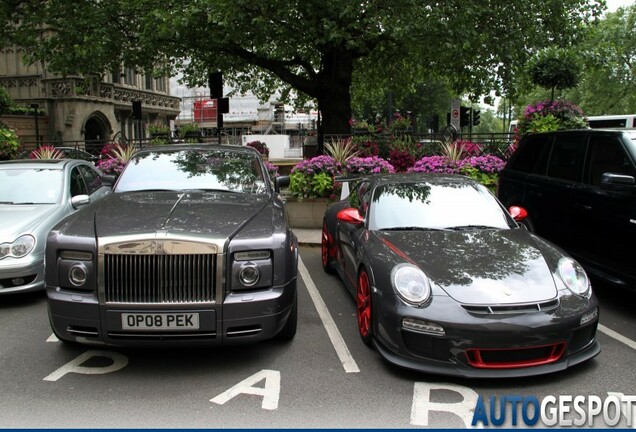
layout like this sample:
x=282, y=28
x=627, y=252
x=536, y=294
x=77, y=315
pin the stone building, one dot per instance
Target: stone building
x=86, y=112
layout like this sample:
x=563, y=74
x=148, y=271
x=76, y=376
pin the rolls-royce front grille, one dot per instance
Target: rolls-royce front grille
x=159, y=278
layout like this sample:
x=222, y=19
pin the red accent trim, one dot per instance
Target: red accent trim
x=397, y=251
x=474, y=356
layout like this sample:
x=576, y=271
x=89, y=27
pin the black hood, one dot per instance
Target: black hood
x=481, y=266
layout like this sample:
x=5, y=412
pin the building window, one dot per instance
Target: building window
x=130, y=77
x=148, y=81
x=160, y=85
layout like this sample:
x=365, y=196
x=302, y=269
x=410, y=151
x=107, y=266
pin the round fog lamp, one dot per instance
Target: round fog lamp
x=77, y=275
x=249, y=275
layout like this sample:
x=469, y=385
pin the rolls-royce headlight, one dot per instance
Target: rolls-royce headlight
x=249, y=275
x=78, y=274
x=21, y=247
x=252, y=270
x=573, y=276
x=410, y=283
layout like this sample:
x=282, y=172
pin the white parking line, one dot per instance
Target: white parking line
x=349, y=364
x=619, y=337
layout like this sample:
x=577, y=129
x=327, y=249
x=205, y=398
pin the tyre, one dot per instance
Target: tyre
x=364, y=307
x=289, y=329
x=326, y=248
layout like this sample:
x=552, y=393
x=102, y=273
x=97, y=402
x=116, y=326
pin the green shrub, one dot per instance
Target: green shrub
x=9, y=143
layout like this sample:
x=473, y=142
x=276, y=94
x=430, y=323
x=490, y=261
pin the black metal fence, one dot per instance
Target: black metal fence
x=498, y=144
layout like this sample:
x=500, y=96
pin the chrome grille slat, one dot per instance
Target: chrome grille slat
x=159, y=279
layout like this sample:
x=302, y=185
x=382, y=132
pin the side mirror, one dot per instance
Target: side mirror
x=518, y=213
x=281, y=182
x=350, y=216
x=80, y=200
x=617, y=182
x=108, y=180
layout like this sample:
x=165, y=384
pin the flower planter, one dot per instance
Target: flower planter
x=307, y=213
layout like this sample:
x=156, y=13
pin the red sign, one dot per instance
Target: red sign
x=204, y=110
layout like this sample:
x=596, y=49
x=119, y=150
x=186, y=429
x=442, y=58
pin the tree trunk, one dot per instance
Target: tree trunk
x=334, y=95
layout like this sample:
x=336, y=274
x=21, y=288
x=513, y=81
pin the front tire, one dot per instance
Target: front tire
x=364, y=307
x=326, y=246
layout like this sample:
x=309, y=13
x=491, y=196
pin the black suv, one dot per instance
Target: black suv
x=579, y=190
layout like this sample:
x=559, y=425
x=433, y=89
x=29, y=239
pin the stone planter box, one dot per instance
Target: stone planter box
x=307, y=213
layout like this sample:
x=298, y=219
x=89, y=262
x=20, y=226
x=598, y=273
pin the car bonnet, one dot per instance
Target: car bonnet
x=480, y=267
x=216, y=215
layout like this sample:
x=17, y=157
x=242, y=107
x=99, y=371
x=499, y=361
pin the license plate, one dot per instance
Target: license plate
x=160, y=321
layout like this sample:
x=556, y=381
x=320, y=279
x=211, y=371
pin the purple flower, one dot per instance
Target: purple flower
x=368, y=165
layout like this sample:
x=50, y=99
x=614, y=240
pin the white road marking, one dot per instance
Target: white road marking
x=619, y=337
x=349, y=364
x=270, y=391
x=630, y=416
x=52, y=338
x=119, y=361
x=422, y=404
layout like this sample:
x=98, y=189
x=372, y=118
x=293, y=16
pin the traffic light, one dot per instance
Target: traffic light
x=215, y=82
x=476, y=119
x=464, y=116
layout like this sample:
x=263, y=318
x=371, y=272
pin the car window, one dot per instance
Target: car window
x=358, y=198
x=531, y=157
x=78, y=186
x=214, y=169
x=434, y=206
x=30, y=185
x=567, y=157
x=91, y=177
x=607, y=155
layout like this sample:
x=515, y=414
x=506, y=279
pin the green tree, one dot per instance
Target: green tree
x=313, y=48
x=555, y=68
x=608, y=82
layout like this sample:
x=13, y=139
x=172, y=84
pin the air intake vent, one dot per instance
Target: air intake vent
x=512, y=309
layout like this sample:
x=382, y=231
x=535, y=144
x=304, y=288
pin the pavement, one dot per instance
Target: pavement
x=307, y=237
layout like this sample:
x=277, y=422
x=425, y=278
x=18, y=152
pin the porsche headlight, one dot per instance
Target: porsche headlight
x=410, y=283
x=573, y=276
x=21, y=247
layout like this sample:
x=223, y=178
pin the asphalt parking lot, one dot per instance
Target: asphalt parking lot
x=325, y=378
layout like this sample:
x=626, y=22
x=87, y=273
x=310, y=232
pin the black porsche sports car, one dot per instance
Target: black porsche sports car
x=445, y=281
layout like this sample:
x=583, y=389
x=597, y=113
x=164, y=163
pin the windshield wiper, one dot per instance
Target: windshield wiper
x=471, y=227
x=204, y=190
x=413, y=228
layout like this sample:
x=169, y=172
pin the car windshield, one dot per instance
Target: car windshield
x=19, y=185
x=194, y=169
x=452, y=206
